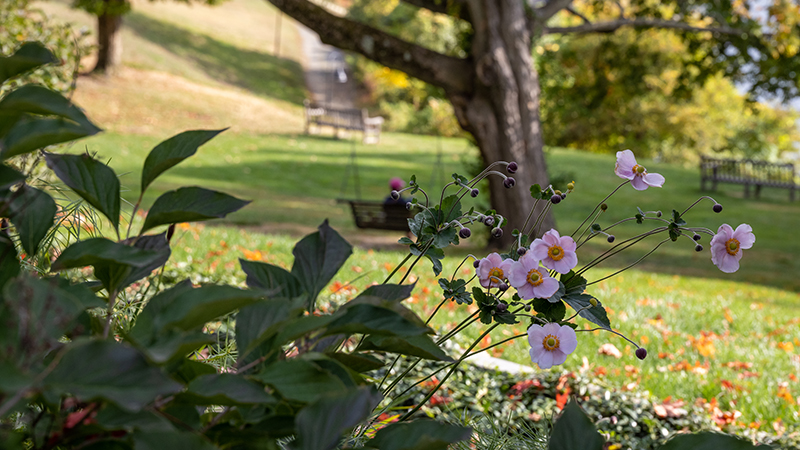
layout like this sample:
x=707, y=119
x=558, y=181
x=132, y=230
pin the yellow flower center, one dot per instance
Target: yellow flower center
x=550, y=342
x=496, y=272
x=535, y=277
x=555, y=253
x=732, y=246
x=638, y=170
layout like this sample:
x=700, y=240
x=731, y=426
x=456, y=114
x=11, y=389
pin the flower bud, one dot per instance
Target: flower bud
x=409, y=206
x=464, y=233
x=603, y=207
x=571, y=186
x=476, y=263
x=395, y=195
x=512, y=167
x=696, y=237
x=610, y=238
x=698, y=248
x=474, y=193
x=658, y=213
x=555, y=199
x=717, y=208
x=563, y=196
x=527, y=308
x=489, y=221
x=593, y=301
x=509, y=182
x=641, y=353
x=497, y=233
x=501, y=307
x=502, y=286
x=521, y=251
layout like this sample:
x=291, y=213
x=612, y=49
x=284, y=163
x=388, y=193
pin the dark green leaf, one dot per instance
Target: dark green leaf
x=357, y=362
x=114, y=418
x=421, y=434
x=317, y=258
x=41, y=101
x=421, y=346
x=173, y=440
x=573, y=284
x=144, y=331
x=9, y=262
x=32, y=212
x=708, y=440
x=320, y=425
x=371, y=319
x=29, y=55
x=94, y=181
x=450, y=209
x=258, y=322
x=480, y=296
x=175, y=345
x=562, y=290
x=677, y=219
x=434, y=255
x=9, y=177
x=456, y=290
x=574, y=430
x=595, y=314
x=391, y=292
x=190, y=204
x=227, y=389
x=153, y=242
x=300, y=379
x=172, y=151
x=189, y=369
x=554, y=312
x=92, y=370
x=30, y=133
x=277, y=281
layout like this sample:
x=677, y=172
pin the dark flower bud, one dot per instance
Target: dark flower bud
x=610, y=238
x=395, y=195
x=641, y=353
x=489, y=221
x=563, y=196
x=717, y=208
x=696, y=237
x=698, y=248
x=409, y=206
x=497, y=233
x=521, y=251
x=502, y=286
x=658, y=213
x=527, y=308
x=474, y=193
x=512, y=167
x=509, y=182
x=476, y=263
x=501, y=307
x=603, y=207
x=464, y=233
x=555, y=199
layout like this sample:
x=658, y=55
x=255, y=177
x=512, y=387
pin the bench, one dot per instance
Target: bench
x=749, y=173
x=344, y=118
x=377, y=215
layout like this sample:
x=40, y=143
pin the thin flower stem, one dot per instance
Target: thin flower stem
x=589, y=227
x=408, y=256
x=616, y=249
x=437, y=309
x=112, y=300
x=632, y=264
x=422, y=253
x=610, y=331
x=133, y=214
x=698, y=201
x=598, y=205
x=464, y=323
x=530, y=215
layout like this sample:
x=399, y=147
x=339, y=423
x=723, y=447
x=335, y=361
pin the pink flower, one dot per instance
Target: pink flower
x=727, y=246
x=531, y=279
x=555, y=252
x=493, y=269
x=550, y=344
x=628, y=169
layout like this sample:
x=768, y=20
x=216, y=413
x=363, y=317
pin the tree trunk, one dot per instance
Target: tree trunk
x=502, y=112
x=109, y=43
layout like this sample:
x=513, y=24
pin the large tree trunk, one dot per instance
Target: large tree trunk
x=502, y=112
x=109, y=43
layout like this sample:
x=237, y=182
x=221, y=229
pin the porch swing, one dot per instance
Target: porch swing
x=377, y=215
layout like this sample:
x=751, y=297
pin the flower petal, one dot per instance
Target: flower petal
x=654, y=179
x=727, y=229
x=545, y=360
x=624, y=165
x=639, y=184
x=539, y=249
x=729, y=263
x=517, y=275
x=567, y=263
x=558, y=357
x=568, y=340
x=552, y=238
x=546, y=290
x=744, y=234
x=568, y=244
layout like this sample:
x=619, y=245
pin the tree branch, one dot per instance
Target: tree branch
x=611, y=26
x=572, y=11
x=550, y=9
x=438, y=6
x=452, y=74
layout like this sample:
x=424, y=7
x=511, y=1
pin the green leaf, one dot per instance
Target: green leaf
x=28, y=56
x=595, y=314
x=357, y=362
x=317, y=258
x=41, y=101
x=480, y=296
x=421, y=434
x=554, y=312
x=113, y=262
x=390, y=292
x=175, y=345
x=708, y=440
x=9, y=177
x=320, y=425
x=456, y=290
x=450, y=209
x=107, y=370
x=300, y=379
x=29, y=133
x=94, y=181
x=277, y=281
x=155, y=243
x=677, y=219
x=173, y=440
x=190, y=204
x=573, y=430
x=573, y=284
x=434, y=255
x=189, y=369
x=9, y=263
x=32, y=212
x=562, y=290
x=258, y=322
x=421, y=346
x=227, y=389
x=373, y=319
x=172, y=151
x=114, y=418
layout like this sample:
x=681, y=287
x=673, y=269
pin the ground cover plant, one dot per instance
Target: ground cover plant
x=299, y=377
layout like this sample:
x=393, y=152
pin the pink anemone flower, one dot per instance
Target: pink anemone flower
x=493, y=269
x=551, y=343
x=556, y=252
x=628, y=169
x=727, y=246
x=530, y=279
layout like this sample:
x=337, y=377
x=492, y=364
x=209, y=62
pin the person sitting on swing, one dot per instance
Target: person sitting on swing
x=395, y=184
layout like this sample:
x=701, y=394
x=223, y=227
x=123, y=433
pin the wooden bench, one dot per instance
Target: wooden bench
x=343, y=118
x=380, y=216
x=749, y=173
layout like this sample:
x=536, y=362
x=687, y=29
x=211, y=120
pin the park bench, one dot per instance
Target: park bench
x=749, y=173
x=343, y=118
x=380, y=216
